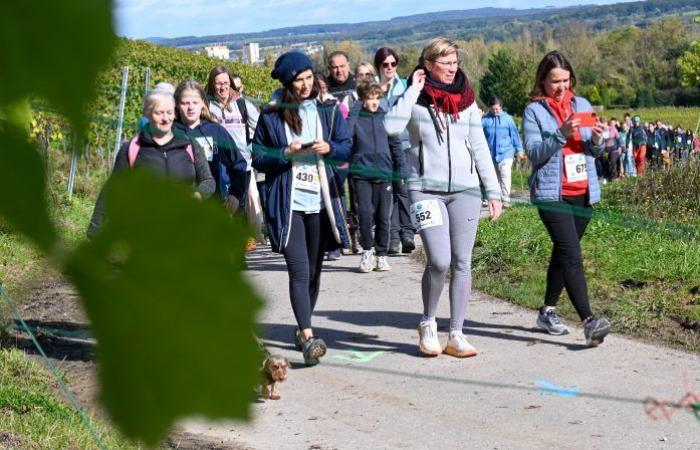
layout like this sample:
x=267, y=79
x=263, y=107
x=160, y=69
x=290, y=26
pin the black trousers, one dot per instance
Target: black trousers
x=308, y=240
x=566, y=221
x=401, y=227
x=374, y=202
x=613, y=164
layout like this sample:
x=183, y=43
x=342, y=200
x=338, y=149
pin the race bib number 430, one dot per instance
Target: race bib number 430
x=306, y=178
x=576, y=167
x=426, y=214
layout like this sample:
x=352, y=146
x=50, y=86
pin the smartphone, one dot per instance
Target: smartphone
x=307, y=145
x=588, y=119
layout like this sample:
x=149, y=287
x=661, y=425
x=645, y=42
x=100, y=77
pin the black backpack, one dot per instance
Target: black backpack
x=244, y=116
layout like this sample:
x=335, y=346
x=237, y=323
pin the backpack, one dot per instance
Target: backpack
x=240, y=101
x=135, y=147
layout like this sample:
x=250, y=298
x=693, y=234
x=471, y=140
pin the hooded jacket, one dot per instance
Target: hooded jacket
x=502, y=136
x=375, y=154
x=226, y=163
x=269, y=142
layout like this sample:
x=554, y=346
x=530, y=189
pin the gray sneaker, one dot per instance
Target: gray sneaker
x=595, y=331
x=367, y=262
x=550, y=322
x=382, y=264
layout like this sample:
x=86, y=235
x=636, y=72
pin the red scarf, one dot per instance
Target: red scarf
x=447, y=102
x=574, y=144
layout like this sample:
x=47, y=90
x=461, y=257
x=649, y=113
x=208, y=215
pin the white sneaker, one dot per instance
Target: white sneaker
x=458, y=346
x=367, y=261
x=428, y=341
x=382, y=264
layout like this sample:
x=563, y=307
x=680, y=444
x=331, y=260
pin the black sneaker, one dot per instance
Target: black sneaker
x=550, y=322
x=313, y=349
x=394, y=249
x=407, y=245
x=595, y=331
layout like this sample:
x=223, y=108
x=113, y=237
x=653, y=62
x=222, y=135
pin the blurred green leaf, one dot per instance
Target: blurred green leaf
x=23, y=203
x=54, y=50
x=163, y=287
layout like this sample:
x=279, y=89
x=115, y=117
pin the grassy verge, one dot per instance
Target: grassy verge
x=645, y=278
x=32, y=416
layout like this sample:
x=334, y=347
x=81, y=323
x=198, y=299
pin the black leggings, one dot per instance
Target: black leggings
x=304, y=256
x=566, y=222
x=374, y=203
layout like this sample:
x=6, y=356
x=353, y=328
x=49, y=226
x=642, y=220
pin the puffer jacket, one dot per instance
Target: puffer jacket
x=452, y=164
x=543, y=144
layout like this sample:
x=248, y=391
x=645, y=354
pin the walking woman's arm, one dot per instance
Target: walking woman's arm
x=540, y=146
x=267, y=158
x=399, y=115
x=120, y=164
x=482, y=155
x=205, y=181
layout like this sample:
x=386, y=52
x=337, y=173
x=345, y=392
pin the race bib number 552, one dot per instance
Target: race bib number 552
x=425, y=214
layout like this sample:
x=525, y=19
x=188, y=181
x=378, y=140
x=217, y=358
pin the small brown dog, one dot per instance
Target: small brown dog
x=274, y=370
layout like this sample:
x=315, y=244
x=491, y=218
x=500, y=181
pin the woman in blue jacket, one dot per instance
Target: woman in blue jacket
x=504, y=141
x=296, y=145
x=563, y=186
x=227, y=164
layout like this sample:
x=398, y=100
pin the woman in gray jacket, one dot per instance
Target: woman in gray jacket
x=447, y=156
x=564, y=186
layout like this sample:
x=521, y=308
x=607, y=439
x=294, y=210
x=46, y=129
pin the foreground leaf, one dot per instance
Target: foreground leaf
x=55, y=49
x=162, y=285
x=23, y=202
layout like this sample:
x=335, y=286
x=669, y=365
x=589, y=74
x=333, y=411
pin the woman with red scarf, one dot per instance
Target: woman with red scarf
x=564, y=185
x=447, y=156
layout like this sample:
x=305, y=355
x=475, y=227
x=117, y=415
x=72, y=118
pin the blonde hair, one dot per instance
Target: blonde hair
x=365, y=64
x=192, y=85
x=437, y=48
x=154, y=98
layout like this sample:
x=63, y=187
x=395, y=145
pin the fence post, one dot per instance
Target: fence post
x=147, y=81
x=122, y=103
x=73, y=165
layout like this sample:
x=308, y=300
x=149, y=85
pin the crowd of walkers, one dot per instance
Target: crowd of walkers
x=342, y=162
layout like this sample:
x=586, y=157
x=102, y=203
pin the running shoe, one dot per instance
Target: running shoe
x=595, y=331
x=458, y=346
x=367, y=262
x=428, y=341
x=298, y=343
x=407, y=245
x=313, y=349
x=550, y=322
x=333, y=255
x=382, y=264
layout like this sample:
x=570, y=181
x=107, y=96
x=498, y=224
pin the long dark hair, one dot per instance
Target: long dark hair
x=290, y=106
x=382, y=54
x=552, y=60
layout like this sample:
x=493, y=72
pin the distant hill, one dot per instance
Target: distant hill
x=487, y=23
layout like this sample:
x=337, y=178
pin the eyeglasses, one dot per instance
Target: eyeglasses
x=224, y=84
x=386, y=65
x=448, y=63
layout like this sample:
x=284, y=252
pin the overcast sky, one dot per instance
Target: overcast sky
x=174, y=18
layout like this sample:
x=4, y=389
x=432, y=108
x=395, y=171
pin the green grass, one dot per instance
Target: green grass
x=686, y=117
x=511, y=258
x=33, y=416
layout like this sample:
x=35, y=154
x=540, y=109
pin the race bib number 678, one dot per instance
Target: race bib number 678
x=425, y=214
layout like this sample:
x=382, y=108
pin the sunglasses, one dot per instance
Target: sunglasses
x=386, y=65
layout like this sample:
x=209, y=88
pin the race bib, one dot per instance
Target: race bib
x=306, y=178
x=425, y=214
x=206, y=144
x=576, y=167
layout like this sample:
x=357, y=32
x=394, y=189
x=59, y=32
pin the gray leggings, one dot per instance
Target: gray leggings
x=449, y=246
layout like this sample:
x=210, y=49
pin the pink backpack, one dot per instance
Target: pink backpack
x=134, y=148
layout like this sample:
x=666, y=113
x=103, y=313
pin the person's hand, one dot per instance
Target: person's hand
x=522, y=157
x=418, y=79
x=570, y=125
x=320, y=147
x=294, y=147
x=197, y=195
x=232, y=204
x=598, y=130
x=495, y=209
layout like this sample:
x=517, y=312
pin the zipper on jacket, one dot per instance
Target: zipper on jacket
x=449, y=156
